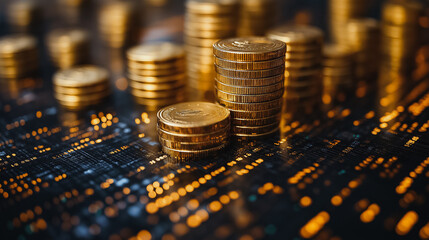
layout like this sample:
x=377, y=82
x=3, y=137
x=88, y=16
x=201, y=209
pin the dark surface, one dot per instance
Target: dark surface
x=60, y=178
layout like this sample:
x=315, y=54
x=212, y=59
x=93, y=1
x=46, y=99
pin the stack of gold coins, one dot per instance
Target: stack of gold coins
x=303, y=82
x=24, y=16
x=157, y=73
x=193, y=129
x=340, y=12
x=338, y=73
x=68, y=47
x=18, y=56
x=116, y=21
x=206, y=21
x=256, y=17
x=250, y=83
x=363, y=37
x=81, y=87
x=400, y=33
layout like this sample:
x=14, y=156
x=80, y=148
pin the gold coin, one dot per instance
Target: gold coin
x=250, y=106
x=202, y=26
x=156, y=86
x=253, y=122
x=199, y=42
x=13, y=44
x=81, y=76
x=193, y=117
x=249, y=49
x=191, y=145
x=254, y=130
x=191, y=154
x=248, y=98
x=176, y=64
x=220, y=135
x=213, y=19
x=254, y=136
x=67, y=38
x=157, y=72
x=81, y=91
x=250, y=82
x=156, y=52
x=249, y=65
x=266, y=113
x=82, y=98
x=157, y=94
x=297, y=34
x=159, y=79
x=249, y=74
x=247, y=90
x=223, y=33
x=212, y=6
x=307, y=56
x=401, y=12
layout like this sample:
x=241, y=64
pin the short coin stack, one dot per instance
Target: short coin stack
x=338, y=73
x=81, y=87
x=340, y=12
x=303, y=83
x=206, y=21
x=18, y=56
x=193, y=129
x=250, y=83
x=256, y=17
x=24, y=16
x=68, y=47
x=116, y=21
x=157, y=73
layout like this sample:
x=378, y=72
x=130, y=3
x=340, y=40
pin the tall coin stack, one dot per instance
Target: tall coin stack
x=81, y=87
x=68, y=47
x=303, y=82
x=116, y=21
x=400, y=33
x=193, y=129
x=206, y=21
x=18, y=57
x=338, y=73
x=340, y=12
x=24, y=16
x=250, y=83
x=256, y=17
x=363, y=37
x=157, y=73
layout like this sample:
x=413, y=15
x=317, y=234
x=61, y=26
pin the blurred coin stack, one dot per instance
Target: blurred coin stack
x=68, y=47
x=250, y=83
x=256, y=17
x=157, y=73
x=340, y=12
x=24, y=16
x=338, y=73
x=363, y=38
x=400, y=34
x=193, y=129
x=18, y=57
x=206, y=21
x=116, y=23
x=82, y=86
x=303, y=82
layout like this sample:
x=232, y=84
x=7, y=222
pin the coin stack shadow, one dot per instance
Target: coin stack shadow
x=338, y=73
x=24, y=16
x=80, y=87
x=157, y=73
x=206, y=22
x=193, y=129
x=400, y=34
x=18, y=57
x=117, y=23
x=256, y=17
x=340, y=12
x=363, y=38
x=68, y=47
x=250, y=83
x=303, y=79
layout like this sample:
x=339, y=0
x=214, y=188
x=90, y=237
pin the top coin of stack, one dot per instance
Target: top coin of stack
x=340, y=12
x=250, y=82
x=256, y=17
x=82, y=86
x=68, y=47
x=18, y=56
x=338, y=72
x=303, y=85
x=193, y=129
x=24, y=16
x=157, y=73
x=400, y=33
x=206, y=21
x=116, y=22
